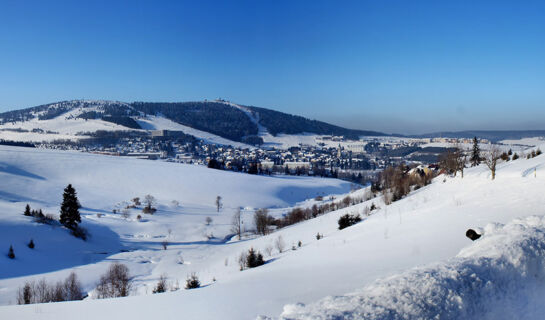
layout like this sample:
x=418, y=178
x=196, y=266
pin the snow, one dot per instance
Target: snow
x=161, y=123
x=415, y=247
x=500, y=276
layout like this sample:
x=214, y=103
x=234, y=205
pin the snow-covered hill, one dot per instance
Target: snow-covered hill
x=219, y=122
x=425, y=230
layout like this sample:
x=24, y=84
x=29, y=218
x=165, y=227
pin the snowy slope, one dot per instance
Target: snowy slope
x=105, y=183
x=68, y=126
x=161, y=123
x=500, y=276
x=424, y=230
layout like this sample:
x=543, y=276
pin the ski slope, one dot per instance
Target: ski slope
x=349, y=272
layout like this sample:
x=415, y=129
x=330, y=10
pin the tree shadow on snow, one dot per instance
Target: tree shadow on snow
x=9, y=169
x=55, y=248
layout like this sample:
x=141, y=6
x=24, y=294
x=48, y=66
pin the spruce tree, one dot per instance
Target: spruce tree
x=475, y=154
x=27, y=211
x=11, y=254
x=70, y=208
x=31, y=244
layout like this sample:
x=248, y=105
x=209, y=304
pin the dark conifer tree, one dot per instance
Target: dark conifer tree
x=11, y=254
x=27, y=211
x=70, y=208
x=31, y=244
x=475, y=154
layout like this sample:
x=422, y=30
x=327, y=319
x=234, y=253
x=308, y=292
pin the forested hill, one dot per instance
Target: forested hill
x=278, y=122
x=214, y=117
x=221, y=118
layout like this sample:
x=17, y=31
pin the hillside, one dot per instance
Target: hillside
x=425, y=230
x=217, y=121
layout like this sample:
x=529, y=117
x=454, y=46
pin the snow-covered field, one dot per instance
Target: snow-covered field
x=332, y=278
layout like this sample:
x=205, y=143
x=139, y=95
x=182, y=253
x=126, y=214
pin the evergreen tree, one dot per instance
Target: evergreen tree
x=475, y=154
x=27, y=211
x=31, y=244
x=254, y=259
x=11, y=254
x=70, y=208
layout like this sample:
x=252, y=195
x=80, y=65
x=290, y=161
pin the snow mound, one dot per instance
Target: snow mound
x=500, y=276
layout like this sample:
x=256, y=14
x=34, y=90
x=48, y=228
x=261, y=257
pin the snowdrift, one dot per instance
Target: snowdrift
x=500, y=276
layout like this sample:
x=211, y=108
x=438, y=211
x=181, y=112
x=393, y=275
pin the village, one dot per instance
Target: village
x=331, y=156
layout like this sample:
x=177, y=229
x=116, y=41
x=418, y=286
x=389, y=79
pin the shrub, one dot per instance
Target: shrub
x=161, y=285
x=149, y=210
x=319, y=198
x=254, y=259
x=348, y=220
x=280, y=244
x=242, y=261
x=138, y=217
x=538, y=152
x=115, y=282
x=208, y=221
x=192, y=282
x=319, y=236
x=136, y=201
x=515, y=156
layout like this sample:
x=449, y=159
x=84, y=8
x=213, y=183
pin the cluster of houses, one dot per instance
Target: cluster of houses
x=353, y=159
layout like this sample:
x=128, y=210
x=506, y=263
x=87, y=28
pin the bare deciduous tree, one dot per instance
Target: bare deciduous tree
x=219, y=204
x=261, y=220
x=491, y=159
x=237, y=223
x=115, y=282
x=280, y=244
x=150, y=202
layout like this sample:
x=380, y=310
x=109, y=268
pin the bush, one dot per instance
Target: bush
x=348, y=220
x=280, y=244
x=161, y=285
x=149, y=210
x=319, y=236
x=115, y=282
x=538, y=152
x=49, y=219
x=192, y=282
x=515, y=156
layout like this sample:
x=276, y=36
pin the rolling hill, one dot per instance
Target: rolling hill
x=218, y=121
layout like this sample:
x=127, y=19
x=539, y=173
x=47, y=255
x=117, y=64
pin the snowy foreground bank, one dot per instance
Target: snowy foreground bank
x=500, y=276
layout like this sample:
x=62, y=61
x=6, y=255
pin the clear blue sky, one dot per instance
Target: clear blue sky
x=394, y=66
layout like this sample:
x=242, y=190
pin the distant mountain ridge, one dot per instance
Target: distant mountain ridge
x=492, y=135
x=231, y=121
